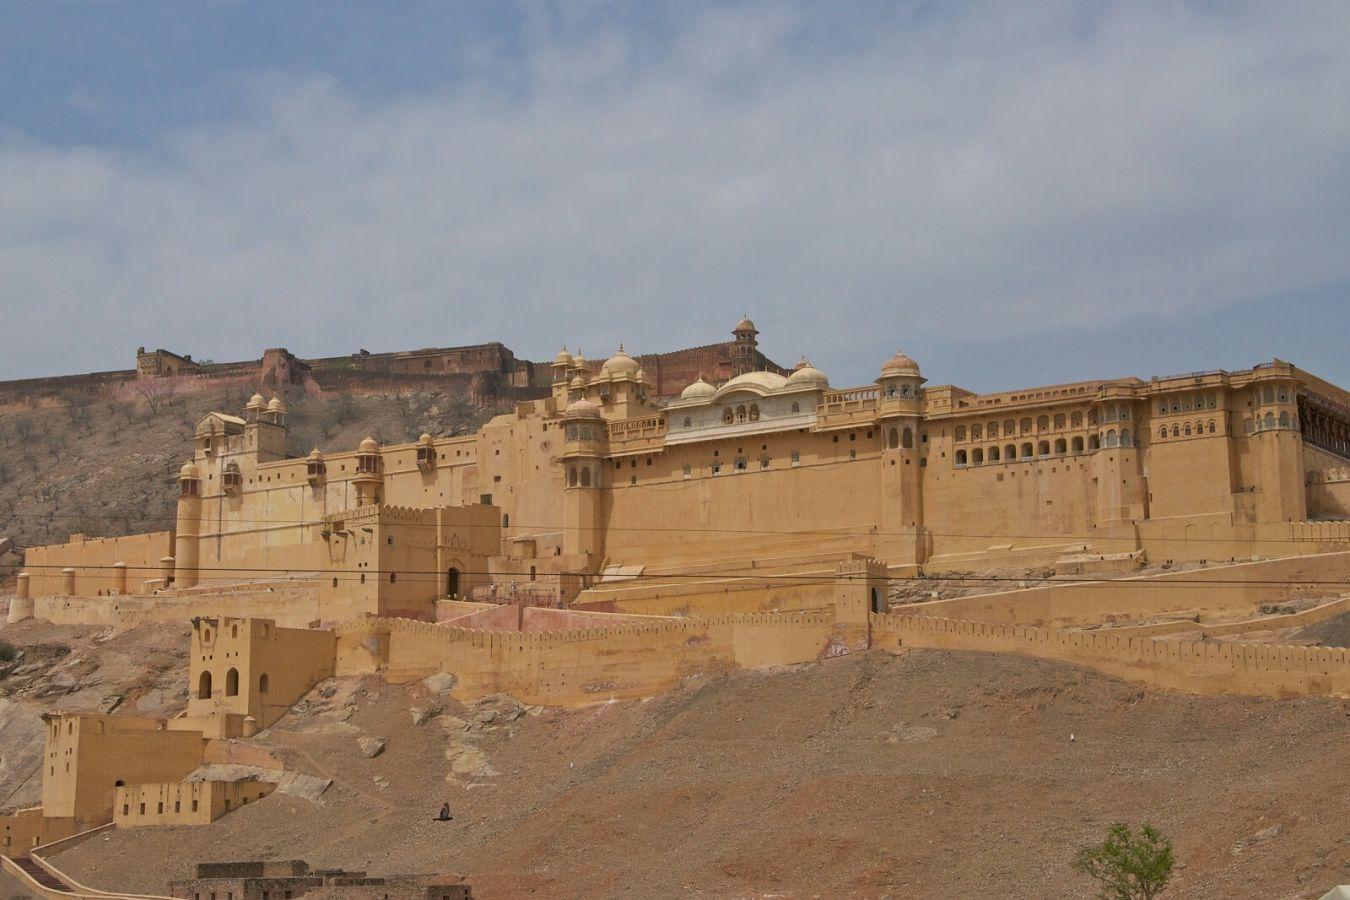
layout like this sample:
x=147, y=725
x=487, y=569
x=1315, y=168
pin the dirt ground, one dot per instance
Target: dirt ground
x=931, y=774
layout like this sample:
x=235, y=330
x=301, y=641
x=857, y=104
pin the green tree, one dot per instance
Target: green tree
x=1126, y=865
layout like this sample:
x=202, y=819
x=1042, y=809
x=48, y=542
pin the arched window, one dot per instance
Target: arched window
x=688, y=421
x=572, y=476
x=992, y=429
x=727, y=415
x=1247, y=427
x=1187, y=429
x=993, y=454
x=1009, y=427
x=1026, y=450
x=506, y=520
x=1112, y=439
x=585, y=432
x=1162, y=407
x=1078, y=445
x=1269, y=420
x=1059, y=421
x=1010, y=453
x=204, y=686
x=977, y=457
x=263, y=683
x=452, y=582
x=1210, y=402
x=1043, y=448
x=740, y=413
x=754, y=412
x=234, y=631
x=1026, y=426
x=585, y=476
x=1176, y=431
x=232, y=683
x=1125, y=439
x=1162, y=431
x=1211, y=426
x=1284, y=395
x=1076, y=420
x=1123, y=413
x=1093, y=442
x=960, y=432
x=960, y=457
x=1061, y=447
x=1267, y=394
x=907, y=390
x=571, y=432
x=907, y=438
x=796, y=407
x=976, y=431
x=1042, y=423
x=1284, y=419
x=893, y=438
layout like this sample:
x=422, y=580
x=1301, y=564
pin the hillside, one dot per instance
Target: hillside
x=925, y=775
x=104, y=462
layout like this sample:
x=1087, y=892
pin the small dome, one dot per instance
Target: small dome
x=189, y=472
x=620, y=364
x=563, y=358
x=255, y=402
x=642, y=375
x=900, y=364
x=581, y=409
x=698, y=390
x=745, y=325
x=578, y=360
x=368, y=446
x=315, y=454
x=424, y=439
x=275, y=405
x=805, y=374
x=576, y=383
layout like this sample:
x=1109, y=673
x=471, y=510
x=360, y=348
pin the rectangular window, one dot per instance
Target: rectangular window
x=177, y=806
x=717, y=468
x=740, y=464
x=194, y=805
x=688, y=471
x=796, y=458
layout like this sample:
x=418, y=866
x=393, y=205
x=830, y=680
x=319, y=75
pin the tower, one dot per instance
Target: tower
x=188, y=527
x=899, y=414
x=745, y=348
x=1281, y=494
x=369, y=476
x=582, y=458
x=265, y=428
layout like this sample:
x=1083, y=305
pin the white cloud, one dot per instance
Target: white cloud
x=998, y=172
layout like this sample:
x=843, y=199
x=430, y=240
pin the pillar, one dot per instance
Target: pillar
x=68, y=581
x=186, y=539
x=166, y=565
x=21, y=607
x=120, y=577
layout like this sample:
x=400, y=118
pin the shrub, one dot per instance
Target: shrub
x=1128, y=866
x=7, y=652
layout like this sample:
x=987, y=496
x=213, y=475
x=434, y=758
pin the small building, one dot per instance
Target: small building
x=252, y=668
x=286, y=879
x=183, y=802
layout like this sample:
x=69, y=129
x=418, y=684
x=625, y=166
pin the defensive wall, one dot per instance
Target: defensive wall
x=1206, y=667
x=290, y=604
x=578, y=667
x=94, y=564
x=1329, y=492
x=183, y=802
x=1207, y=592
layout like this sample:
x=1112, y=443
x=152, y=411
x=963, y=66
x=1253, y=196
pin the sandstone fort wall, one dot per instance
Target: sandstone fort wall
x=1210, y=667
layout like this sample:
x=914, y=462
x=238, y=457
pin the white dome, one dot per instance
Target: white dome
x=698, y=390
x=807, y=375
x=765, y=381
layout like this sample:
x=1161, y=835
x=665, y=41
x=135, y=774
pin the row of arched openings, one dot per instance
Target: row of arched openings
x=1042, y=450
x=1027, y=425
x=1186, y=430
x=204, y=686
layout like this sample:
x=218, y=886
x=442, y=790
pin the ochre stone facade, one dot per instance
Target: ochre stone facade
x=763, y=467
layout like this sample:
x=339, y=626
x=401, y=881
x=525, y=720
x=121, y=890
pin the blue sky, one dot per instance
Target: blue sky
x=1014, y=194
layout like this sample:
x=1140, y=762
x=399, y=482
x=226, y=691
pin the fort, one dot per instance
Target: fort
x=631, y=524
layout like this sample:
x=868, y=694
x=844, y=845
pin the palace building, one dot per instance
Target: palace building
x=761, y=469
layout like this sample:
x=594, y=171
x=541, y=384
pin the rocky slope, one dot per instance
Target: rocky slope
x=926, y=775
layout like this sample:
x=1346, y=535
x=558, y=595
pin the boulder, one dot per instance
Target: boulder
x=371, y=747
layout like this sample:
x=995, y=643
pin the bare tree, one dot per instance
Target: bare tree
x=157, y=393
